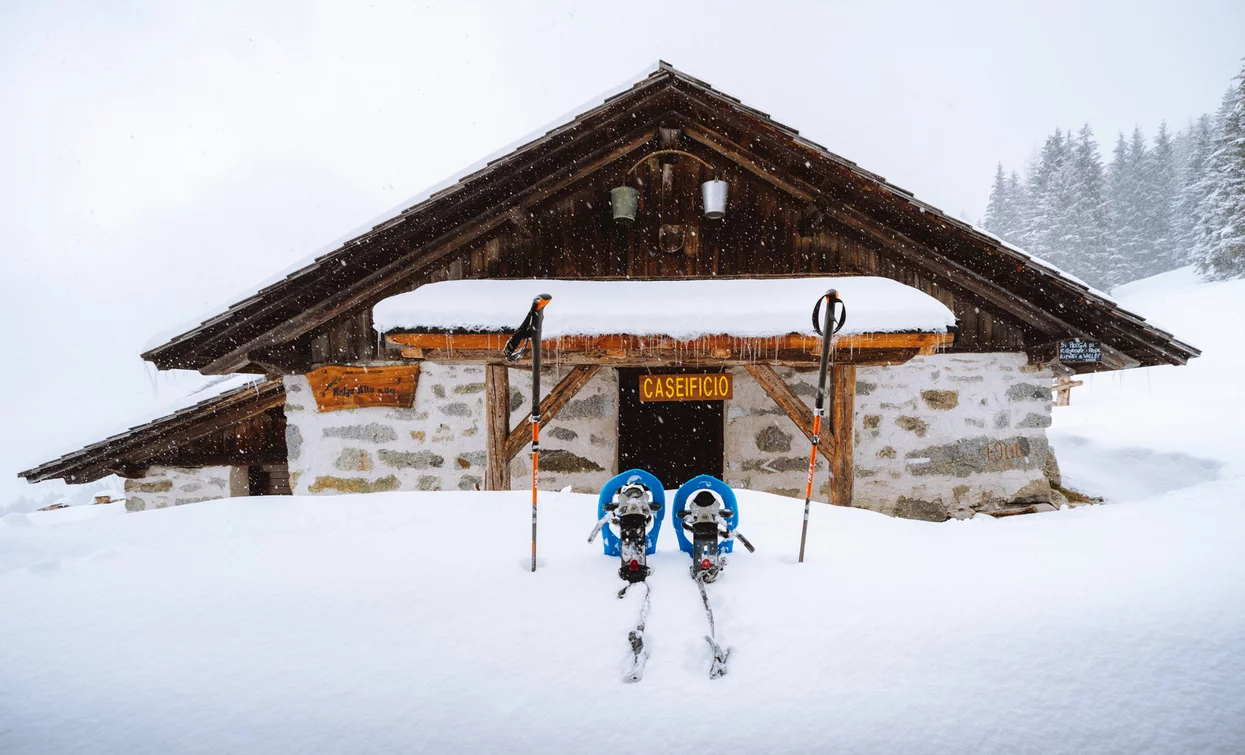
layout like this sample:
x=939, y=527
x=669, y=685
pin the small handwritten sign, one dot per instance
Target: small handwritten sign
x=688, y=387
x=1079, y=351
x=357, y=387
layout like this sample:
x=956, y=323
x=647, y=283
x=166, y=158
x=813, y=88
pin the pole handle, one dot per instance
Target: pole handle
x=835, y=302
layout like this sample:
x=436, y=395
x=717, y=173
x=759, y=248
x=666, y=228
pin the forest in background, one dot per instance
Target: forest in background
x=1159, y=204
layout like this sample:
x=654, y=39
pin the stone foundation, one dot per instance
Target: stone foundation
x=175, y=486
x=441, y=442
x=938, y=437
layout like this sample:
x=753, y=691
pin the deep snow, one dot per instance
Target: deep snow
x=408, y=622
x=1140, y=432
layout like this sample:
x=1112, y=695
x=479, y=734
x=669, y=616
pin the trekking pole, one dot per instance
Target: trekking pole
x=825, y=329
x=528, y=336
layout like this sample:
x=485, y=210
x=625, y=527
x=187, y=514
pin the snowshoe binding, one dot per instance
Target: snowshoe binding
x=705, y=518
x=631, y=511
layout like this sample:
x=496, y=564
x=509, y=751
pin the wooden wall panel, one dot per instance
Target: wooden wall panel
x=572, y=235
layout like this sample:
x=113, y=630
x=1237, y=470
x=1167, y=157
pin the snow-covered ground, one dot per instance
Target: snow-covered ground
x=1139, y=432
x=407, y=622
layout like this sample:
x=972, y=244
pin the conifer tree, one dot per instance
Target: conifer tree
x=998, y=211
x=1159, y=206
x=1150, y=211
x=1194, y=187
x=1047, y=228
x=1220, y=247
x=1088, y=218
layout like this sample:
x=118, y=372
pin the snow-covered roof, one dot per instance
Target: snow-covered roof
x=682, y=309
x=204, y=404
x=389, y=256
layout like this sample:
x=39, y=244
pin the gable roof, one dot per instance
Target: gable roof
x=135, y=447
x=387, y=258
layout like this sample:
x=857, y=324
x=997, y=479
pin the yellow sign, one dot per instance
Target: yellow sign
x=692, y=387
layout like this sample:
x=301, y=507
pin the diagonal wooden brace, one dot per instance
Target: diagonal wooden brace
x=792, y=406
x=550, y=405
x=836, y=444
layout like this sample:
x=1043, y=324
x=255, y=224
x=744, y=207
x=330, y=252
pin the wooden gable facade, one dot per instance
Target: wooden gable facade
x=544, y=211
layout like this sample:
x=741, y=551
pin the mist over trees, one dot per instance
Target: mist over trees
x=1158, y=204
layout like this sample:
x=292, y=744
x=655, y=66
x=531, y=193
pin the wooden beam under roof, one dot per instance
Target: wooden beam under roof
x=631, y=350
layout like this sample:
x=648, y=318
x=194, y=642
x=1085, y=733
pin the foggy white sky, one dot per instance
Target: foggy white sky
x=157, y=162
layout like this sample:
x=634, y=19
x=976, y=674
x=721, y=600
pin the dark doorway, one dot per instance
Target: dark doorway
x=675, y=440
x=268, y=479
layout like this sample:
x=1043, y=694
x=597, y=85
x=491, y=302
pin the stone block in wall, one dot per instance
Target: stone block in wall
x=331, y=484
x=942, y=400
x=175, y=486
x=977, y=455
x=372, y=432
x=773, y=440
x=354, y=460
x=410, y=459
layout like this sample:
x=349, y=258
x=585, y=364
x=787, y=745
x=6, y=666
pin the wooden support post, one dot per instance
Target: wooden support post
x=843, y=427
x=792, y=406
x=1063, y=390
x=497, y=409
x=550, y=405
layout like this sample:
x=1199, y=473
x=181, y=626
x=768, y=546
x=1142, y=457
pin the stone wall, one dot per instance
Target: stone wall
x=938, y=437
x=440, y=443
x=436, y=445
x=175, y=486
x=763, y=448
x=579, y=447
x=941, y=436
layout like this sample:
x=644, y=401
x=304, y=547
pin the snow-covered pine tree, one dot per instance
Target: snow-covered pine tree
x=1027, y=208
x=1160, y=205
x=1048, y=231
x=1194, y=186
x=1127, y=195
x=1017, y=201
x=1088, y=215
x=1221, y=222
x=999, y=211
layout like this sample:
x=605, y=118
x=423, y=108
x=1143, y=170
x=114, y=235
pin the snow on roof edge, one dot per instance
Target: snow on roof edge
x=681, y=309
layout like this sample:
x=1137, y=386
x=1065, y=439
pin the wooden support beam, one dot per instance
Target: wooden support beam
x=497, y=408
x=550, y=405
x=871, y=357
x=792, y=406
x=843, y=426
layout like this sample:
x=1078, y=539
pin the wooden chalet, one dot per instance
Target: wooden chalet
x=962, y=399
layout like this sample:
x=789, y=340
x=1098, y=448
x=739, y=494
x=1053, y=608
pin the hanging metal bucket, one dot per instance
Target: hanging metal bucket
x=714, y=195
x=626, y=201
